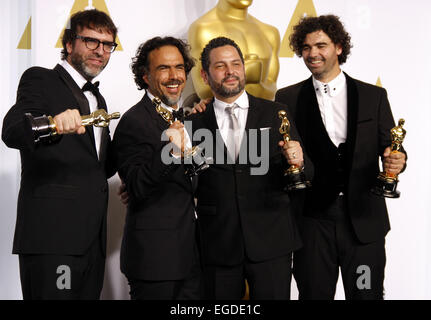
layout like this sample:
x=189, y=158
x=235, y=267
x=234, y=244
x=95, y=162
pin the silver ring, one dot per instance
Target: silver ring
x=294, y=155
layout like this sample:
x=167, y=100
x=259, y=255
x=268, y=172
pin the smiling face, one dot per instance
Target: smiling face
x=89, y=63
x=226, y=74
x=166, y=75
x=320, y=55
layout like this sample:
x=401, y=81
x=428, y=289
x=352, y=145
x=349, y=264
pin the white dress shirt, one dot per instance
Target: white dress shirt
x=92, y=101
x=332, y=99
x=223, y=119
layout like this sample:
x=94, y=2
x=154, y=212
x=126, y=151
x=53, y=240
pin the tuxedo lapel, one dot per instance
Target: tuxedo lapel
x=105, y=132
x=104, y=144
x=80, y=98
x=157, y=118
x=352, y=117
x=161, y=125
x=210, y=118
x=76, y=91
x=253, y=122
x=308, y=107
x=252, y=114
x=210, y=121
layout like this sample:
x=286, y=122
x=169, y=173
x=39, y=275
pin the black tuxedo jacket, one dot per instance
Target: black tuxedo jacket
x=369, y=123
x=243, y=215
x=159, y=235
x=62, y=202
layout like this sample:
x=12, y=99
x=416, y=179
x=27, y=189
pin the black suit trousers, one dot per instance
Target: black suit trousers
x=330, y=244
x=189, y=288
x=63, y=277
x=267, y=280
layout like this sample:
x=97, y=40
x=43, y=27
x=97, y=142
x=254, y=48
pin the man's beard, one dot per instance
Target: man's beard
x=171, y=101
x=226, y=92
x=79, y=64
x=317, y=74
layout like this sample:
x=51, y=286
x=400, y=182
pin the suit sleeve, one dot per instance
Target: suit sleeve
x=138, y=158
x=197, y=123
x=30, y=99
x=279, y=97
x=294, y=134
x=308, y=165
x=386, y=123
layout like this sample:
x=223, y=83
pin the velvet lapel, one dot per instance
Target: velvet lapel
x=352, y=116
x=307, y=109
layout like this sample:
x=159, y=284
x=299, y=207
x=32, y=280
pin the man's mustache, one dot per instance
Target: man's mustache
x=314, y=59
x=230, y=78
x=173, y=82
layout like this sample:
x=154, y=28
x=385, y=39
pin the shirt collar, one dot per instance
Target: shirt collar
x=331, y=88
x=242, y=102
x=169, y=108
x=76, y=76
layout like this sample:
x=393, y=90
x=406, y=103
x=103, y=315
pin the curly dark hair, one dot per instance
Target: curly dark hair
x=91, y=19
x=330, y=24
x=141, y=62
x=216, y=43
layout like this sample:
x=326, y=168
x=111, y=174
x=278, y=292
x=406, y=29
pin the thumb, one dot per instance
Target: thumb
x=387, y=152
x=81, y=130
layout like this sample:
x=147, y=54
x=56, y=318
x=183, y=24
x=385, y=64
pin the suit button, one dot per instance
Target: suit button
x=104, y=189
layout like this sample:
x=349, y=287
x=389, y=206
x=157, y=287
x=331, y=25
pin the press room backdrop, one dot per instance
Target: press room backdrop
x=391, y=47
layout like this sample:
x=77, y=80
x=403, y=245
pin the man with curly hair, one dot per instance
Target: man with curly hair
x=345, y=127
x=159, y=253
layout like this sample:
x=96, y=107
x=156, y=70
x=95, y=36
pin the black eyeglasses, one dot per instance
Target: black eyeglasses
x=93, y=44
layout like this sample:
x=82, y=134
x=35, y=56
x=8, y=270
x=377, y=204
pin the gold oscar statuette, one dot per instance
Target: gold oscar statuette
x=386, y=183
x=43, y=128
x=193, y=157
x=259, y=43
x=295, y=175
x=99, y=118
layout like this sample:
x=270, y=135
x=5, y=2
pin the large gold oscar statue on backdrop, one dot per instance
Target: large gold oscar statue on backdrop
x=259, y=43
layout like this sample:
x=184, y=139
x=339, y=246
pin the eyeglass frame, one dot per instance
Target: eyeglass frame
x=107, y=43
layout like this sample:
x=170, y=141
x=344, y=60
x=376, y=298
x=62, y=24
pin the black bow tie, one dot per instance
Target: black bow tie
x=92, y=87
x=179, y=114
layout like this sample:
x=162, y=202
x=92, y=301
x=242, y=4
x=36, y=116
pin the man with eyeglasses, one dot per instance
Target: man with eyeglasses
x=60, y=233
